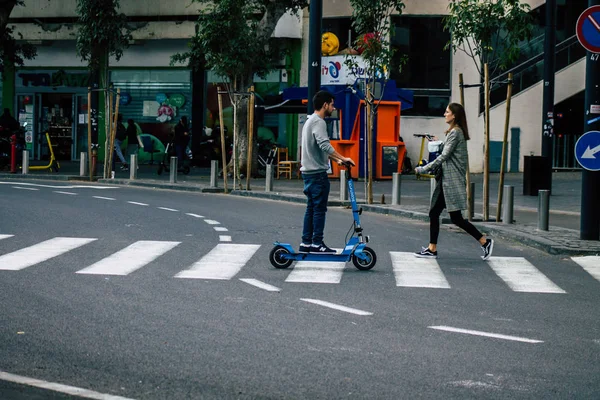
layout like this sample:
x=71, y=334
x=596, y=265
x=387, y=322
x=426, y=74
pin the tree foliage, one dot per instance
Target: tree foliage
x=489, y=31
x=11, y=50
x=234, y=38
x=371, y=20
x=102, y=31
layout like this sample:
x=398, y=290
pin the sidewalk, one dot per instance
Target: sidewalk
x=562, y=237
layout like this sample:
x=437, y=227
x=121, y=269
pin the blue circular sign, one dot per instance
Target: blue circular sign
x=588, y=29
x=161, y=98
x=125, y=99
x=587, y=151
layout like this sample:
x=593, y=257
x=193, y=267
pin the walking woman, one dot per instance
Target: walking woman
x=450, y=192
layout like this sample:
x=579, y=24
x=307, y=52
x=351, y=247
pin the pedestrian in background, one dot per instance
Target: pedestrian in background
x=134, y=141
x=450, y=169
x=182, y=138
x=120, y=137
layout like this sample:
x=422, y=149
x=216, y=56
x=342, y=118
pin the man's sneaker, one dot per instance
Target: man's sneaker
x=426, y=253
x=322, y=249
x=487, y=248
x=304, y=248
x=124, y=167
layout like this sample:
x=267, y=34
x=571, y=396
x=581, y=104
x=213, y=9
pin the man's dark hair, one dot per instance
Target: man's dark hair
x=321, y=98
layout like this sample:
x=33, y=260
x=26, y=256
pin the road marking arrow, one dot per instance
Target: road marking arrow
x=591, y=153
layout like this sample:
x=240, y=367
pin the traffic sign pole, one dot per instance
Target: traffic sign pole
x=590, y=180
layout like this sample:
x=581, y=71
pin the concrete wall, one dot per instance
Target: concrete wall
x=526, y=110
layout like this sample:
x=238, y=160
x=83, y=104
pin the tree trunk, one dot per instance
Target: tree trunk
x=6, y=7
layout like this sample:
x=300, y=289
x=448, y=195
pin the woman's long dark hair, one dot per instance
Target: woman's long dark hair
x=460, y=118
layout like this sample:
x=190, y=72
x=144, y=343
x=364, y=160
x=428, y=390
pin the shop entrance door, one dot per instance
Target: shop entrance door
x=57, y=114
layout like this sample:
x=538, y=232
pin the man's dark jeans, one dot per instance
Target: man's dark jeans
x=316, y=189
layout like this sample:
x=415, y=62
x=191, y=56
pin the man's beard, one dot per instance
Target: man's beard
x=328, y=113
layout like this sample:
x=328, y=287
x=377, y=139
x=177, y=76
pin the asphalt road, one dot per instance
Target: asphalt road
x=147, y=334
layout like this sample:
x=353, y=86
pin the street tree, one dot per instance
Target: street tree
x=12, y=52
x=103, y=32
x=490, y=32
x=371, y=21
x=234, y=39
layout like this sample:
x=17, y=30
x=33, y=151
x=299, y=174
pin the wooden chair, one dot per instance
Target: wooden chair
x=285, y=166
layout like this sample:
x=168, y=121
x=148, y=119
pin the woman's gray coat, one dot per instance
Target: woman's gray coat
x=453, y=162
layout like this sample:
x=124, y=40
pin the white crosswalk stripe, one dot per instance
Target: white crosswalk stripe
x=590, y=263
x=40, y=252
x=130, y=258
x=521, y=276
x=411, y=271
x=316, y=272
x=5, y=236
x=222, y=262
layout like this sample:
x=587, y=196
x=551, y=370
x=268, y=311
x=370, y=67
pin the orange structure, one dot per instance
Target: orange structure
x=388, y=150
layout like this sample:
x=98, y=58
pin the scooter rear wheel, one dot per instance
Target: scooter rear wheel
x=276, y=257
x=365, y=265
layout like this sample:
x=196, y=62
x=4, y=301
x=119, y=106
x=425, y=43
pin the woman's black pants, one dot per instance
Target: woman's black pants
x=455, y=216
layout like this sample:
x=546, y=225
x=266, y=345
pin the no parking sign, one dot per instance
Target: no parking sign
x=588, y=29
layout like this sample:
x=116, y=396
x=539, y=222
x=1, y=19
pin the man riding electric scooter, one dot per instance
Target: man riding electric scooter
x=316, y=151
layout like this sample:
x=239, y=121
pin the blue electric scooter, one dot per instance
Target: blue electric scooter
x=363, y=257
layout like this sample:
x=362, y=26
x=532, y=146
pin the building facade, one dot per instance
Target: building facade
x=51, y=90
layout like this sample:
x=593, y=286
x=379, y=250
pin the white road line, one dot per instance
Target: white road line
x=24, y=188
x=212, y=222
x=69, y=193
x=316, y=272
x=40, y=252
x=220, y=229
x=224, y=238
x=411, y=271
x=521, y=276
x=590, y=263
x=5, y=236
x=137, y=204
x=224, y=261
x=195, y=215
x=57, y=387
x=485, y=334
x=103, y=198
x=261, y=285
x=130, y=258
x=337, y=307
x=167, y=209
x=59, y=187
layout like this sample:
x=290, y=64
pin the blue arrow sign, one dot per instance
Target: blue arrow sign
x=587, y=151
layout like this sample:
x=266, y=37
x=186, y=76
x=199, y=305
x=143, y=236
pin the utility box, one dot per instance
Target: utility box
x=537, y=175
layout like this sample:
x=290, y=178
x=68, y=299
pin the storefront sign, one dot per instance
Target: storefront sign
x=53, y=79
x=125, y=98
x=177, y=100
x=334, y=71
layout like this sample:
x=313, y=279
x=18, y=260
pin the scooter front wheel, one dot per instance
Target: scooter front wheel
x=277, y=259
x=365, y=265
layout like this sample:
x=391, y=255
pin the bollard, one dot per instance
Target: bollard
x=508, y=206
x=83, y=163
x=25, y=162
x=343, y=186
x=472, y=203
x=432, y=184
x=13, y=154
x=543, y=209
x=173, y=170
x=396, y=184
x=214, y=173
x=133, y=166
x=269, y=178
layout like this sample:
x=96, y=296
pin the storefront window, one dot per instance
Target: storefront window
x=427, y=71
x=155, y=99
x=342, y=28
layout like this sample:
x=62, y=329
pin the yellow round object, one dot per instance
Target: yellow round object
x=330, y=44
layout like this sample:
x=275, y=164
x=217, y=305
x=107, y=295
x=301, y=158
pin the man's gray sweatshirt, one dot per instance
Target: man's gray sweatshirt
x=315, y=146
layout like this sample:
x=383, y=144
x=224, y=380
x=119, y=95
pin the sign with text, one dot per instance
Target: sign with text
x=334, y=71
